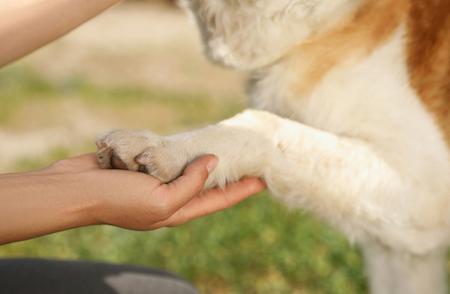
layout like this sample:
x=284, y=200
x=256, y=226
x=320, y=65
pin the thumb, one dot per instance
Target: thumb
x=191, y=182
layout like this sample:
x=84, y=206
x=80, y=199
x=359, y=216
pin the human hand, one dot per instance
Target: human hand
x=138, y=201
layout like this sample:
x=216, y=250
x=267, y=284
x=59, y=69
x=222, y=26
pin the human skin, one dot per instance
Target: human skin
x=26, y=25
x=75, y=192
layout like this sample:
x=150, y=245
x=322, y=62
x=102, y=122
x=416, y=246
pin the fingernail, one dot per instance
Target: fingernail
x=212, y=164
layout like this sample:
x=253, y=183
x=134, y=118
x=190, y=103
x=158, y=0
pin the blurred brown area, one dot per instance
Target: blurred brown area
x=148, y=44
x=149, y=47
x=172, y=3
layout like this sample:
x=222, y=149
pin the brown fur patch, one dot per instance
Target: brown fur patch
x=429, y=57
x=370, y=25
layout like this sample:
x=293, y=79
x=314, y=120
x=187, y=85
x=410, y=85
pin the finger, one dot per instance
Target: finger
x=84, y=161
x=190, y=183
x=216, y=200
x=88, y=160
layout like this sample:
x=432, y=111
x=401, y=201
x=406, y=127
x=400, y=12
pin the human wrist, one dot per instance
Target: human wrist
x=88, y=191
x=82, y=202
x=70, y=194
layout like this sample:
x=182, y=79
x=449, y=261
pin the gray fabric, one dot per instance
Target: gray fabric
x=39, y=276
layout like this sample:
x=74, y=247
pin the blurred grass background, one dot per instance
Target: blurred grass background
x=146, y=71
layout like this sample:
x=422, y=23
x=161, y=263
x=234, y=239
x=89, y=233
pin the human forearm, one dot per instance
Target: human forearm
x=35, y=204
x=26, y=25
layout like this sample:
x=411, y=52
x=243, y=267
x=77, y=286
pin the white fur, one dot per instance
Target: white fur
x=234, y=35
x=360, y=151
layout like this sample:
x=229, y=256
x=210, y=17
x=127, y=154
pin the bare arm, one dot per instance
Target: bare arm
x=26, y=25
x=76, y=192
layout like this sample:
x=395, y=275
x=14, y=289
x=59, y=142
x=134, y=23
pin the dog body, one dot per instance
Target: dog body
x=353, y=123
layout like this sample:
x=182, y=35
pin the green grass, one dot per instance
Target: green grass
x=257, y=247
x=19, y=86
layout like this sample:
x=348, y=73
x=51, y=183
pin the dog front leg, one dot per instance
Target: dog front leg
x=334, y=176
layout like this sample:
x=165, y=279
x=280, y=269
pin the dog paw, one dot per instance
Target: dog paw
x=141, y=151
